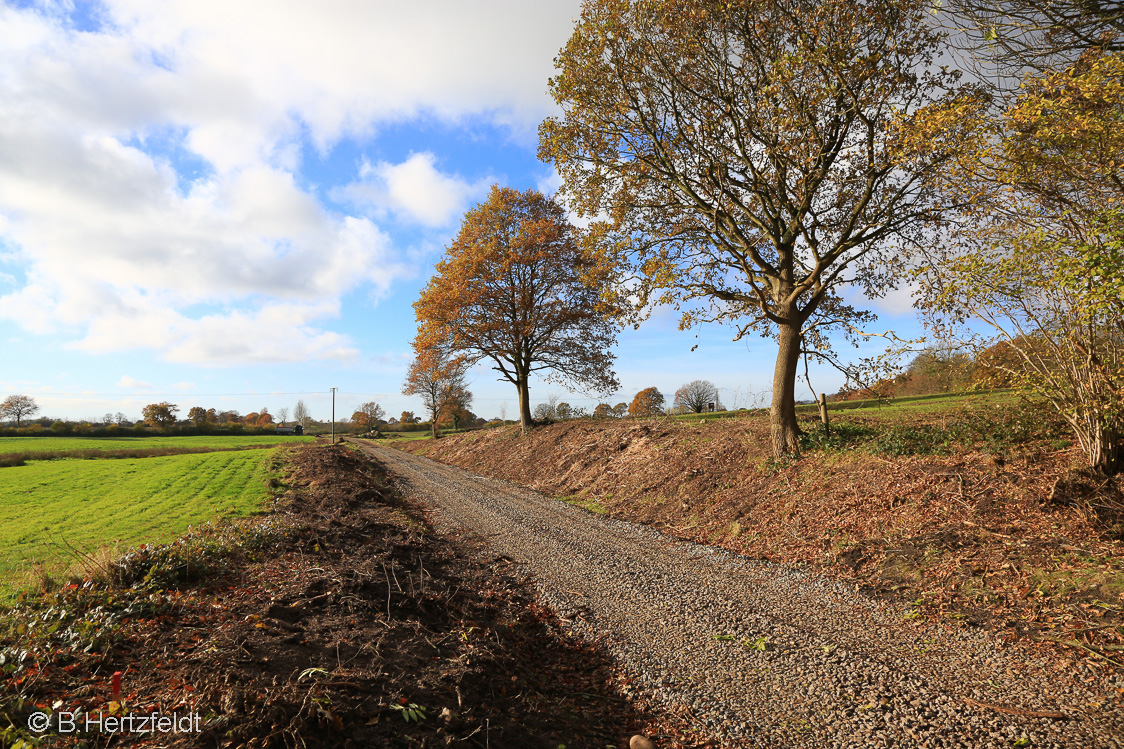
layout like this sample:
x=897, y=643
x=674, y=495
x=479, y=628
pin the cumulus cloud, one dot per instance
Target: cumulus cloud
x=150, y=168
x=131, y=383
x=344, y=66
x=414, y=190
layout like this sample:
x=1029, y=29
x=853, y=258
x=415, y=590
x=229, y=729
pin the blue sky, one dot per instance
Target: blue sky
x=209, y=204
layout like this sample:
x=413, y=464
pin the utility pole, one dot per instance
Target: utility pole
x=333, y=416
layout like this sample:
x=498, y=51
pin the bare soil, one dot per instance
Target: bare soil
x=1009, y=540
x=352, y=618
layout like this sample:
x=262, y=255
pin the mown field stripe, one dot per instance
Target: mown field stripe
x=213, y=441
x=44, y=507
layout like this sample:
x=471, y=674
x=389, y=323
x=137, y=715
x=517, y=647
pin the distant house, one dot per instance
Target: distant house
x=298, y=429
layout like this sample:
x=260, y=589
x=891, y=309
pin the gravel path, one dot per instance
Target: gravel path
x=762, y=654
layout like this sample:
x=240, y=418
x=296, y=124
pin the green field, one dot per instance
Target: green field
x=890, y=409
x=10, y=445
x=45, y=506
x=893, y=409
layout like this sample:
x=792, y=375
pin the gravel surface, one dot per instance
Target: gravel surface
x=763, y=654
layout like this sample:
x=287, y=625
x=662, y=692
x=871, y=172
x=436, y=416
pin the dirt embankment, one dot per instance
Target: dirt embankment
x=968, y=537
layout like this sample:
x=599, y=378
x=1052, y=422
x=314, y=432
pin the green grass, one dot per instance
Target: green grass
x=589, y=505
x=995, y=423
x=10, y=445
x=88, y=504
x=896, y=409
x=889, y=408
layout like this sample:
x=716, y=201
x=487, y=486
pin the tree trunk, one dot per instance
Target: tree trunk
x=782, y=421
x=524, y=405
x=1104, y=451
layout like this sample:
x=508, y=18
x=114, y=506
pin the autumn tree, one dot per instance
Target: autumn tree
x=17, y=407
x=368, y=416
x=697, y=396
x=437, y=376
x=456, y=408
x=1039, y=252
x=648, y=402
x=517, y=288
x=603, y=411
x=161, y=415
x=936, y=369
x=745, y=155
x=197, y=415
x=283, y=415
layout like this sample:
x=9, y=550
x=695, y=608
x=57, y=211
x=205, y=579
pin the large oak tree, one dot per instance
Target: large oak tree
x=517, y=288
x=744, y=154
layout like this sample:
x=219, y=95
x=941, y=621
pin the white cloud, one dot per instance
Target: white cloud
x=131, y=383
x=415, y=190
x=343, y=66
x=152, y=167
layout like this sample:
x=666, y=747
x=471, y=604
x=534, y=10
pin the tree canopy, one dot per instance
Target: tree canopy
x=18, y=406
x=697, y=396
x=161, y=414
x=1007, y=38
x=438, y=377
x=746, y=156
x=368, y=416
x=518, y=289
x=648, y=402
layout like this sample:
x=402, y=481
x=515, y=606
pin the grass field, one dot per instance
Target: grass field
x=88, y=504
x=10, y=445
x=890, y=409
x=900, y=408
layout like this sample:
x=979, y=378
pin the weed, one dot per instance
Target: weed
x=411, y=712
x=842, y=436
x=590, y=505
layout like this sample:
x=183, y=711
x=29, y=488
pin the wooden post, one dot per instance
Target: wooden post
x=823, y=412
